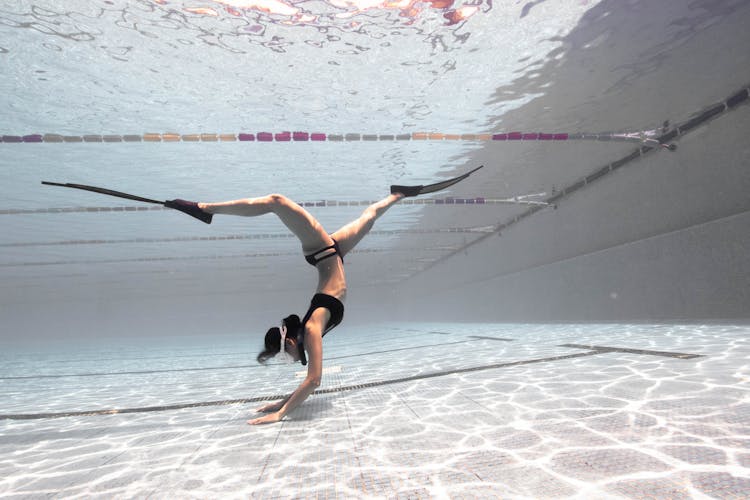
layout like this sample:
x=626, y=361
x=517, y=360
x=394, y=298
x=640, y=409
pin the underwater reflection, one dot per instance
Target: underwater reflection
x=410, y=10
x=273, y=24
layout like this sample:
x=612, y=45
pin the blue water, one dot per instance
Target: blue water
x=133, y=68
x=128, y=339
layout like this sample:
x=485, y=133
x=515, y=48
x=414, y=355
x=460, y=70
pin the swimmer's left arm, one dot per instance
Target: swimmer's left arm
x=314, y=345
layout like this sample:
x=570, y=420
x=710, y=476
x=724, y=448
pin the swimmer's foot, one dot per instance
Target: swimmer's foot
x=406, y=190
x=191, y=208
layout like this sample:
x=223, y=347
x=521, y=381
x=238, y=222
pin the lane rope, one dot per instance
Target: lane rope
x=704, y=117
x=515, y=200
x=645, y=137
x=238, y=237
x=658, y=137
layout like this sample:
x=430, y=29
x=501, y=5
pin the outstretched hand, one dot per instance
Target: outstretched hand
x=266, y=419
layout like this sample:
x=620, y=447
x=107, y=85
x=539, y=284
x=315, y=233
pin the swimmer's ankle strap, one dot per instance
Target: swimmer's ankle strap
x=430, y=188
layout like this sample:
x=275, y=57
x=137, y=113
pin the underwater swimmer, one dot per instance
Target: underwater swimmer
x=326, y=253
x=299, y=339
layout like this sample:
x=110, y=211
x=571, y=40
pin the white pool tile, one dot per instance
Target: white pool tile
x=416, y=411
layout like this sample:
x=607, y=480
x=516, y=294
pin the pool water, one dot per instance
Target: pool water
x=112, y=384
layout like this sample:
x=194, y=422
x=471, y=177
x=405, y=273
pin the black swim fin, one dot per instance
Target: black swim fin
x=430, y=188
x=187, y=207
x=190, y=208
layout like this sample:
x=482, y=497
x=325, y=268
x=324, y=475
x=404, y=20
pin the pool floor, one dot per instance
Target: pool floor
x=404, y=411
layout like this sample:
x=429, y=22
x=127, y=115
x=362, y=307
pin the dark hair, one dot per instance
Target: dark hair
x=273, y=344
x=273, y=337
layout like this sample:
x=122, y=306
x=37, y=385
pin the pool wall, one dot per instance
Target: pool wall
x=667, y=237
x=636, y=235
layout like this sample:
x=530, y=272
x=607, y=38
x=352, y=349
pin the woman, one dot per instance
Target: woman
x=325, y=252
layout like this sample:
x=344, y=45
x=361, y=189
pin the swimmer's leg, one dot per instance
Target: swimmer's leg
x=351, y=234
x=299, y=221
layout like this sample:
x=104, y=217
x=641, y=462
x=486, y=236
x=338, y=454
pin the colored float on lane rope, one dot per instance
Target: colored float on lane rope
x=647, y=137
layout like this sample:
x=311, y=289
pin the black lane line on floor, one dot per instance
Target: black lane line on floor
x=135, y=372
x=179, y=406
x=591, y=351
x=398, y=349
x=491, y=338
x=603, y=349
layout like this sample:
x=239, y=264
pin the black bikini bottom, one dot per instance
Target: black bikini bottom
x=313, y=258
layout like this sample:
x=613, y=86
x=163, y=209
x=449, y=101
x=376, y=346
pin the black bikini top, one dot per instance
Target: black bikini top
x=335, y=308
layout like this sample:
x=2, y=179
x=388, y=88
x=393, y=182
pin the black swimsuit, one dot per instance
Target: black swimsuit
x=313, y=258
x=335, y=306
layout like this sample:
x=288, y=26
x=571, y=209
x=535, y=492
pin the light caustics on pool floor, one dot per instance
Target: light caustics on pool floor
x=591, y=350
x=406, y=411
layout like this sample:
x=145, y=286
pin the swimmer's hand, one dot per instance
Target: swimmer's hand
x=270, y=407
x=266, y=419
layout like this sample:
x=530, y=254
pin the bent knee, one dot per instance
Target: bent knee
x=278, y=199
